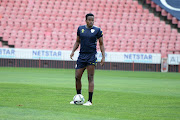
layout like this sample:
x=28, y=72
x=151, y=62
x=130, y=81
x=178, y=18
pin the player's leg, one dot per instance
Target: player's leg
x=90, y=71
x=78, y=75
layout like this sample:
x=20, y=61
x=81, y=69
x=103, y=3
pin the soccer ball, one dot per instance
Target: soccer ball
x=78, y=99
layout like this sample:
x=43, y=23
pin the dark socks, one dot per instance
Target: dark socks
x=78, y=91
x=90, y=96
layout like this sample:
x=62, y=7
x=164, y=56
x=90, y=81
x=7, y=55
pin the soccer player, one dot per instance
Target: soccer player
x=87, y=36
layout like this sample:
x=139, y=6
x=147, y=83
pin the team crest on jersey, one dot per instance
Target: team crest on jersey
x=92, y=30
x=82, y=30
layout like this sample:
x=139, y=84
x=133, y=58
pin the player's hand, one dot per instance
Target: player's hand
x=102, y=61
x=71, y=55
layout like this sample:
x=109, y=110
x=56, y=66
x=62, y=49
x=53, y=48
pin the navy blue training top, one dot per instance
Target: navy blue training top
x=88, y=38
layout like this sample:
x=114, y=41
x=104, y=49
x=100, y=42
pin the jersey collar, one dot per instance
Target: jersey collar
x=89, y=28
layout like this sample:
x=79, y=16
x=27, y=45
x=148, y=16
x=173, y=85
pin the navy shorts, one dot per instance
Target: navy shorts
x=86, y=59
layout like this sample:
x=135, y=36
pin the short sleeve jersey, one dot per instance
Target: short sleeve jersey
x=88, y=38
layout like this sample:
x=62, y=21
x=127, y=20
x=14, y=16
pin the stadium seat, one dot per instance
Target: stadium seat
x=163, y=12
x=179, y=24
x=5, y=46
x=171, y=46
x=148, y=1
x=169, y=16
x=158, y=8
x=153, y=5
x=174, y=20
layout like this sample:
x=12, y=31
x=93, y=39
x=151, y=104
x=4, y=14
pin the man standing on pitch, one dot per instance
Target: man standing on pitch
x=87, y=36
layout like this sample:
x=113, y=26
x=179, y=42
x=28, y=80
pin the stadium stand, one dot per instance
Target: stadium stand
x=52, y=24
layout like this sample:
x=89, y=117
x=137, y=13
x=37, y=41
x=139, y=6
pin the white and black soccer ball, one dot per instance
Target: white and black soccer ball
x=78, y=99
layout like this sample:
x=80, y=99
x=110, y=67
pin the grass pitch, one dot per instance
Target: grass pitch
x=44, y=94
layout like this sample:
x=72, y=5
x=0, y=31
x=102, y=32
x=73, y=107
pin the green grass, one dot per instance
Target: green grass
x=44, y=94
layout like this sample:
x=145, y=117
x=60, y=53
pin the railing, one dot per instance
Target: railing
x=71, y=65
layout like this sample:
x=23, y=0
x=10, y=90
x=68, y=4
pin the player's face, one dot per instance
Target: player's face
x=90, y=21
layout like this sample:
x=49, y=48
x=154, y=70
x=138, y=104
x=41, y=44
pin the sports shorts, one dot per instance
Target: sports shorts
x=86, y=59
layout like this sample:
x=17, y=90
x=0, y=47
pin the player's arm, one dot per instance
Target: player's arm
x=76, y=45
x=101, y=45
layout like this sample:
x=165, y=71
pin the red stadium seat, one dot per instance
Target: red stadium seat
x=178, y=24
x=5, y=46
x=169, y=16
x=158, y=8
x=153, y=5
x=163, y=12
x=174, y=20
x=148, y=1
x=11, y=42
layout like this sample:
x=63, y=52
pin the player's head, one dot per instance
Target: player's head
x=89, y=20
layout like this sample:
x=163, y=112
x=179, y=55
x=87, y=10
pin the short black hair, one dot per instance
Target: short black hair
x=89, y=14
